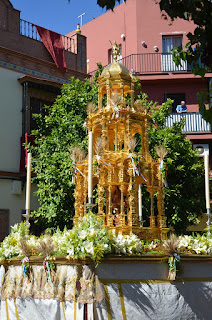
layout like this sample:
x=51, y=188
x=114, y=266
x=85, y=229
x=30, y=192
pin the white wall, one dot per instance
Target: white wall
x=11, y=97
x=15, y=203
x=10, y=120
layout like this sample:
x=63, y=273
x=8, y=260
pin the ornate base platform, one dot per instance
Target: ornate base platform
x=134, y=287
x=144, y=233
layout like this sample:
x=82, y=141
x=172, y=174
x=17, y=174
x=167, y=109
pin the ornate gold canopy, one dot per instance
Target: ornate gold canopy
x=117, y=168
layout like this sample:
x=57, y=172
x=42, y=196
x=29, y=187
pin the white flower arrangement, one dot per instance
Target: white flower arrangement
x=11, y=246
x=198, y=245
x=125, y=244
x=89, y=238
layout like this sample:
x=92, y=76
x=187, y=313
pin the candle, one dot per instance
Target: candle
x=140, y=203
x=90, y=167
x=28, y=183
x=207, y=190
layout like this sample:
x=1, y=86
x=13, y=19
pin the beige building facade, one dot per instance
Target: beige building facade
x=29, y=78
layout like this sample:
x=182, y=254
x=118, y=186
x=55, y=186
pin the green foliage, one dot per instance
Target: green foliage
x=198, y=50
x=198, y=11
x=108, y=4
x=184, y=197
x=63, y=128
x=58, y=131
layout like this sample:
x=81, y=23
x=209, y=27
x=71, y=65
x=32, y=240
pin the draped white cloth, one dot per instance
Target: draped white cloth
x=131, y=292
x=157, y=301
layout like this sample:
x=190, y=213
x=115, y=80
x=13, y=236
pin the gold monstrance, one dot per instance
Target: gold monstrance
x=113, y=166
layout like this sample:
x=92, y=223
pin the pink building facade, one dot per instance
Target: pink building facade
x=146, y=36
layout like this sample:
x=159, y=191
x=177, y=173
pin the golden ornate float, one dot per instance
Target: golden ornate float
x=116, y=170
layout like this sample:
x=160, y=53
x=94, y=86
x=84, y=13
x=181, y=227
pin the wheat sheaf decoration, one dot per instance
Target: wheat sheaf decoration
x=46, y=247
x=26, y=249
x=132, y=143
x=99, y=146
x=77, y=154
x=161, y=151
x=139, y=107
x=91, y=108
x=171, y=247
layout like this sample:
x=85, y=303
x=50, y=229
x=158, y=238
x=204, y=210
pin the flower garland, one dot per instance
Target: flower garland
x=89, y=238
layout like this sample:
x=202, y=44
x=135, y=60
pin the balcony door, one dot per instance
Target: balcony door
x=168, y=64
x=177, y=97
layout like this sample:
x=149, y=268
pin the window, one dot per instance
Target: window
x=4, y=223
x=110, y=55
x=171, y=42
x=177, y=97
x=168, y=44
x=37, y=106
x=35, y=96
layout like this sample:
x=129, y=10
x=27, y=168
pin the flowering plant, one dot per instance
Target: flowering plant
x=128, y=244
x=11, y=246
x=87, y=238
x=201, y=244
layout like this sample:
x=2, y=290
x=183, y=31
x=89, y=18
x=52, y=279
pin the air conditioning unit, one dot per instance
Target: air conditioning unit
x=202, y=149
x=16, y=188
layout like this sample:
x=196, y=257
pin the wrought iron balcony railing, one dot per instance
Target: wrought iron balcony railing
x=28, y=30
x=150, y=63
x=194, y=123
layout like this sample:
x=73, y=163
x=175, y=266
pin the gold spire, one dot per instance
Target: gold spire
x=115, y=51
x=78, y=29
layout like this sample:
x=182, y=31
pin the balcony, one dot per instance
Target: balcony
x=153, y=63
x=28, y=30
x=194, y=123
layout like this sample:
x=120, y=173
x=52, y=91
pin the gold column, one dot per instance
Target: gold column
x=132, y=95
x=109, y=214
x=85, y=195
x=127, y=131
x=122, y=93
x=152, y=216
x=116, y=136
x=122, y=213
x=108, y=140
x=99, y=98
x=108, y=91
x=101, y=200
x=131, y=199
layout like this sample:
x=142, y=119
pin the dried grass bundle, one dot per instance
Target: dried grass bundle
x=77, y=154
x=99, y=146
x=161, y=151
x=46, y=247
x=26, y=250
x=91, y=108
x=140, y=107
x=132, y=143
x=171, y=245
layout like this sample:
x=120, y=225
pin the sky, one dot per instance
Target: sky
x=57, y=15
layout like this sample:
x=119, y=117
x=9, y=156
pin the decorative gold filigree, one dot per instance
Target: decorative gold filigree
x=115, y=51
x=120, y=168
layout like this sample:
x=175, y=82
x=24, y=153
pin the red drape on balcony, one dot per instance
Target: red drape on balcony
x=26, y=138
x=54, y=44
